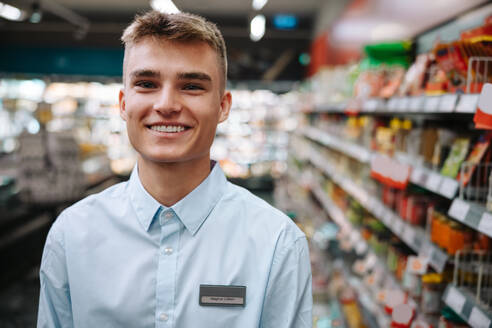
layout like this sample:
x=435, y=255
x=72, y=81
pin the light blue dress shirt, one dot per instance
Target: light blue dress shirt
x=120, y=259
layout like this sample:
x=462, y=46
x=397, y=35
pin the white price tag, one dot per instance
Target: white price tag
x=438, y=259
x=416, y=104
x=354, y=237
x=432, y=104
x=371, y=105
x=433, y=182
x=371, y=261
x=448, y=188
x=399, y=104
x=485, y=224
x=387, y=217
x=448, y=102
x=459, y=209
x=416, y=175
x=426, y=250
x=405, y=104
x=361, y=247
x=467, y=104
x=409, y=235
x=478, y=319
x=398, y=227
x=455, y=300
x=392, y=104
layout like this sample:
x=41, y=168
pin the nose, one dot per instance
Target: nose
x=167, y=101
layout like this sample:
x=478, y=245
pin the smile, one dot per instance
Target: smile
x=168, y=128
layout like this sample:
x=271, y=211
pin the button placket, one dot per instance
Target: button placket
x=166, y=271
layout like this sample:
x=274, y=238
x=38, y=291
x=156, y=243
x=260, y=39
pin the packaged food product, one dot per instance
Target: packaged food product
x=474, y=159
x=414, y=81
x=402, y=316
x=455, y=157
x=432, y=289
x=351, y=309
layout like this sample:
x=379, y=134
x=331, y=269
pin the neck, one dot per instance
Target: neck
x=168, y=183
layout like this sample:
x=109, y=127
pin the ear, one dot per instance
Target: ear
x=123, y=113
x=225, y=106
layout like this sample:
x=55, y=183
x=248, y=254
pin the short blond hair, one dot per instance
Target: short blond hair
x=183, y=27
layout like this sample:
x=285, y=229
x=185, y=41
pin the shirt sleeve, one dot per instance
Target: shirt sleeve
x=288, y=299
x=55, y=309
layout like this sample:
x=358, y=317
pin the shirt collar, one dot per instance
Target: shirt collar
x=192, y=210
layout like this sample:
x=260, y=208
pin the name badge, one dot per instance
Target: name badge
x=216, y=295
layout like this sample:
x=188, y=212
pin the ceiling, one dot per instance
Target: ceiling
x=248, y=60
x=275, y=57
x=209, y=7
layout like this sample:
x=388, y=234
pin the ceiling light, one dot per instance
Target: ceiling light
x=36, y=13
x=164, y=6
x=10, y=12
x=258, y=4
x=257, y=28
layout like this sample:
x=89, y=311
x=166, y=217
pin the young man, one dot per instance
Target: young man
x=176, y=245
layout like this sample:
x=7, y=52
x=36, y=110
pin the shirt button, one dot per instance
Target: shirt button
x=163, y=317
x=168, y=250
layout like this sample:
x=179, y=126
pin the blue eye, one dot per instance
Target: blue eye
x=145, y=84
x=193, y=87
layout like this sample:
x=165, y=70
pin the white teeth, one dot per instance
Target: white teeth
x=167, y=128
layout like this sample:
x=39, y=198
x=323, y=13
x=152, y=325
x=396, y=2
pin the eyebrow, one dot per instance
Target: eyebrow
x=181, y=76
x=194, y=76
x=144, y=73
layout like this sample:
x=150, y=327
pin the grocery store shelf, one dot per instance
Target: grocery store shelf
x=473, y=215
x=360, y=245
x=423, y=177
x=447, y=103
x=414, y=237
x=348, y=148
x=465, y=305
x=434, y=181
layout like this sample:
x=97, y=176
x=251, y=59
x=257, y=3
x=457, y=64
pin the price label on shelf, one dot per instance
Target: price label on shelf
x=416, y=175
x=459, y=209
x=485, y=224
x=409, y=236
x=354, y=237
x=360, y=247
x=426, y=249
x=433, y=182
x=418, y=240
x=448, y=102
x=416, y=104
x=438, y=259
x=478, y=319
x=392, y=104
x=398, y=227
x=431, y=104
x=405, y=104
x=467, y=103
x=387, y=217
x=380, y=209
x=370, y=105
x=370, y=261
x=398, y=104
x=448, y=187
x=455, y=300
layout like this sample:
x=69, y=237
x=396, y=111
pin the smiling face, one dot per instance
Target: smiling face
x=173, y=99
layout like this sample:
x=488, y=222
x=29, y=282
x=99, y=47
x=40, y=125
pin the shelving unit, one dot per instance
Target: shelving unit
x=443, y=104
x=473, y=215
x=467, y=307
x=414, y=237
